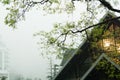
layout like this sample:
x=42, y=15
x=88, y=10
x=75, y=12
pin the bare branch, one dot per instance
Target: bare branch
x=58, y=37
x=30, y=4
x=116, y=18
x=41, y=2
x=88, y=9
x=108, y=5
x=63, y=41
x=80, y=31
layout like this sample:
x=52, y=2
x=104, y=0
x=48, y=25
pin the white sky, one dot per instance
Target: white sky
x=24, y=56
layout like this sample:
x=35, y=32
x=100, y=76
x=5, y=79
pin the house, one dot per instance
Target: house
x=98, y=57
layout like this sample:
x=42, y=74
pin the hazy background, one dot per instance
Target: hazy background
x=24, y=55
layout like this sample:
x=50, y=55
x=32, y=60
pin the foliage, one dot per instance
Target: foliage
x=5, y=1
x=97, y=47
x=109, y=69
x=54, y=43
x=97, y=41
x=63, y=35
x=18, y=8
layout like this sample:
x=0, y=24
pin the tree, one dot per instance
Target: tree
x=63, y=36
x=3, y=78
x=18, y=8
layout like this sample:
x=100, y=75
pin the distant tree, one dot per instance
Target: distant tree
x=20, y=77
x=4, y=78
x=50, y=73
x=28, y=79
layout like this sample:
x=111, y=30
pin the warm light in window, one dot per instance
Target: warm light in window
x=106, y=43
x=118, y=49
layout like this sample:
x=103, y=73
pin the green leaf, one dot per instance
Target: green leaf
x=54, y=1
x=6, y=1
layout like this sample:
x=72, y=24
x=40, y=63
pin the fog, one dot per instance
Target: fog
x=24, y=56
x=24, y=53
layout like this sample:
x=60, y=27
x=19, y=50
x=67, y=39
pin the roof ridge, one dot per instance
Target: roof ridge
x=103, y=55
x=75, y=52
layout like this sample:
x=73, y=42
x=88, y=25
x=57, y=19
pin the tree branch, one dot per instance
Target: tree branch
x=116, y=18
x=65, y=36
x=30, y=4
x=108, y=5
x=80, y=31
x=41, y=2
x=89, y=10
